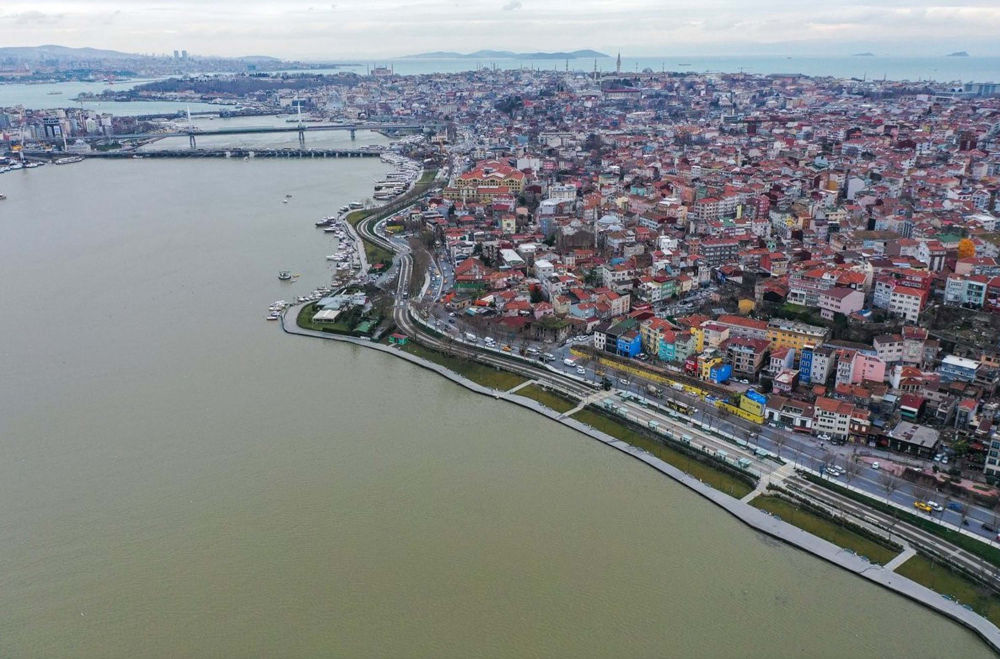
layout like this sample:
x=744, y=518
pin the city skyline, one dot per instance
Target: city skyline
x=314, y=31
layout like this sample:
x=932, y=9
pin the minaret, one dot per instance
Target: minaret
x=618, y=68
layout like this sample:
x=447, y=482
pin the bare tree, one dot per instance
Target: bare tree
x=780, y=439
x=851, y=469
x=889, y=483
x=963, y=510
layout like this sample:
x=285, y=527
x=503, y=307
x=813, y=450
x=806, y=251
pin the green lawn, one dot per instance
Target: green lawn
x=547, y=398
x=718, y=479
x=304, y=320
x=824, y=528
x=478, y=373
x=938, y=578
x=981, y=549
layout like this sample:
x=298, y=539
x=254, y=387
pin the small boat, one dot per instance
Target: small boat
x=274, y=316
x=288, y=196
x=284, y=275
x=2, y=197
x=284, y=201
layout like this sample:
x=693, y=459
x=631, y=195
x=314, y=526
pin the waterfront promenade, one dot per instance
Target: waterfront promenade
x=753, y=517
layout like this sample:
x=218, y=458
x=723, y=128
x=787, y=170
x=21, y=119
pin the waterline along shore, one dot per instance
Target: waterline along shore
x=753, y=517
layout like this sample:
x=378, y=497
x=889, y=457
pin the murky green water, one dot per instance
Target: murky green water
x=178, y=478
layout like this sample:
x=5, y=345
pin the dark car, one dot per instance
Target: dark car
x=988, y=527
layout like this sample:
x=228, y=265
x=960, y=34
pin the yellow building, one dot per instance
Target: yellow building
x=791, y=334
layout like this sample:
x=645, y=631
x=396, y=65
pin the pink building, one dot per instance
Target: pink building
x=867, y=368
x=840, y=300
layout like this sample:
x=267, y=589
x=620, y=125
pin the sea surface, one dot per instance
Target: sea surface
x=54, y=95
x=937, y=69
x=179, y=478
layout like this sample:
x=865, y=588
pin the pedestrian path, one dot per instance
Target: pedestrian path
x=776, y=477
x=521, y=386
x=589, y=400
x=906, y=555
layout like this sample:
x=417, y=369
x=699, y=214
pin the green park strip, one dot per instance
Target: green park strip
x=703, y=471
x=940, y=579
x=548, y=398
x=825, y=528
x=971, y=545
x=482, y=374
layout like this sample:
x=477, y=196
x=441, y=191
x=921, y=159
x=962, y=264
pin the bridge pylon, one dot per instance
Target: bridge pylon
x=192, y=142
x=302, y=137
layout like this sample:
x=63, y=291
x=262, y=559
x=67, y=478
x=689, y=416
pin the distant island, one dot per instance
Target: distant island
x=959, y=53
x=864, y=54
x=506, y=54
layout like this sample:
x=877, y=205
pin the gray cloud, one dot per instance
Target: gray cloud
x=354, y=29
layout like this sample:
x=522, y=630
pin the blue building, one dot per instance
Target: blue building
x=721, y=374
x=958, y=368
x=805, y=364
x=629, y=344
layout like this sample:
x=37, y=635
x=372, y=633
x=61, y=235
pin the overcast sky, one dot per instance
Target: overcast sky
x=386, y=28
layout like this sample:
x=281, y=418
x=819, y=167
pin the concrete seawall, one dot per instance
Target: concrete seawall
x=746, y=513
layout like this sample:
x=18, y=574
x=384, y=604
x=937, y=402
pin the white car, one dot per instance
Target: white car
x=824, y=438
x=875, y=465
x=938, y=508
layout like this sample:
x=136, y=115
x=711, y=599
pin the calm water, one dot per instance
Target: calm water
x=179, y=479
x=43, y=96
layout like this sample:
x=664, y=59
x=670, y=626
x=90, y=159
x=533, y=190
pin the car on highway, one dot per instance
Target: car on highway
x=581, y=370
x=623, y=381
x=935, y=506
x=506, y=348
x=920, y=505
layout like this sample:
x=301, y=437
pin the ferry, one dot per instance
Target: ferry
x=68, y=161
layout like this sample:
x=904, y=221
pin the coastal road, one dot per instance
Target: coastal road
x=702, y=412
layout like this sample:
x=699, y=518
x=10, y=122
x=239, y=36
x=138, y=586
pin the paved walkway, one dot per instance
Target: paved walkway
x=589, y=400
x=752, y=517
x=907, y=554
x=774, y=478
x=521, y=386
x=359, y=245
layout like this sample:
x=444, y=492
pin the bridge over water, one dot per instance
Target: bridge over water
x=301, y=129
x=239, y=153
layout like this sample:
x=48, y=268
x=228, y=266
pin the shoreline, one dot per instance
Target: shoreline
x=756, y=519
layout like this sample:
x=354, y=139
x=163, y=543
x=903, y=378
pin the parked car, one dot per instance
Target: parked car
x=875, y=465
